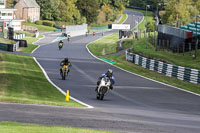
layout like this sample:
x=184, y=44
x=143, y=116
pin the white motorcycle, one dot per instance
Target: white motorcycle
x=103, y=87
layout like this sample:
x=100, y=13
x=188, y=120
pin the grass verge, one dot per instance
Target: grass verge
x=107, y=44
x=22, y=81
x=13, y=127
x=96, y=48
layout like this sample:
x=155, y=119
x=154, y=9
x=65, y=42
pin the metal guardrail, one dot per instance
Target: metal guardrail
x=179, y=72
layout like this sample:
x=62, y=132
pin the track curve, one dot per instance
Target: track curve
x=135, y=105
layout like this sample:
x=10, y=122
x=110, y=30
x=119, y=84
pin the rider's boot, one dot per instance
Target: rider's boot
x=60, y=71
x=111, y=87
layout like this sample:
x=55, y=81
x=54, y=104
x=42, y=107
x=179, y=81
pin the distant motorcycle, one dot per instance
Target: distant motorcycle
x=64, y=72
x=69, y=38
x=103, y=87
x=60, y=46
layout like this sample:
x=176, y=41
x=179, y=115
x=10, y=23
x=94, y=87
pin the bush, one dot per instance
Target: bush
x=48, y=23
x=60, y=23
x=39, y=22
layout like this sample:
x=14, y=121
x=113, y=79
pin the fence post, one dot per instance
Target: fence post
x=163, y=44
x=190, y=48
x=159, y=43
x=168, y=45
x=183, y=48
x=196, y=47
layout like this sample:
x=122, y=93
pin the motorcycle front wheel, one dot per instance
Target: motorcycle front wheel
x=101, y=97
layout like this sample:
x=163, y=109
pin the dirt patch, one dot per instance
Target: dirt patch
x=103, y=52
x=19, y=49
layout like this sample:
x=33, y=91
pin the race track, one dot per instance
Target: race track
x=135, y=105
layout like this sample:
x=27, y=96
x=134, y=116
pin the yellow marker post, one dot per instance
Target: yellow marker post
x=67, y=96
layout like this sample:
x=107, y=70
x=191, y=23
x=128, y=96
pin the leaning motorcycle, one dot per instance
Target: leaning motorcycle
x=103, y=87
x=64, y=72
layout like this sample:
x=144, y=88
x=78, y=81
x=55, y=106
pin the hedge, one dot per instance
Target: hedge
x=39, y=22
x=48, y=23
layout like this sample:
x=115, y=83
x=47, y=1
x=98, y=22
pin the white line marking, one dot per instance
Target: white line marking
x=41, y=105
x=35, y=49
x=39, y=39
x=125, y=19
x=58, y=87
x=36, y=44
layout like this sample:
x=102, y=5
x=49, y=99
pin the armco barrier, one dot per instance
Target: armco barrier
x=179, y=72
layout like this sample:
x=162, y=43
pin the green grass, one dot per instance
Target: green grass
x=13, y=127
x=139, y=46
x=149, y=18
x=22, y=81
x=127, y=43
x=41, y=27
x=108, y=43
x=7, y=41
x=27, y=34
x=173, y=58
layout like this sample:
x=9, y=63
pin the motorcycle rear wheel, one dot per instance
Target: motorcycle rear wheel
x=64, y=76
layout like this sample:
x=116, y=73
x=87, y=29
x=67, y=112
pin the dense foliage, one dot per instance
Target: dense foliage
x=182, y=11
x=81, y=11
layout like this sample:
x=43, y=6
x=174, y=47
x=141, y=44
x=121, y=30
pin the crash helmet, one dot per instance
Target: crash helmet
x=110, y=72
x=66, y=59
x=61, y=41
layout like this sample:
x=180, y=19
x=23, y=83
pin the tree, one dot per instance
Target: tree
x=89, y=9
x=69, y=12
x=177, y=10
x=49, y=9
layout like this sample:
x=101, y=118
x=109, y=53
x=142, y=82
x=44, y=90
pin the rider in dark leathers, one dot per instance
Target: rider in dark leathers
x=108, y=74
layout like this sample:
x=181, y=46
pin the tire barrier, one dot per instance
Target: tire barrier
x=179, y=72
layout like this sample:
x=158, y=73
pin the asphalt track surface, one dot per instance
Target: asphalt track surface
x=135, y=105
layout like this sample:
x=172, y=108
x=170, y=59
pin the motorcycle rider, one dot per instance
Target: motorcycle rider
x=108, y=74
x=65, y=62
x=69, y=37
x=60, y=44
